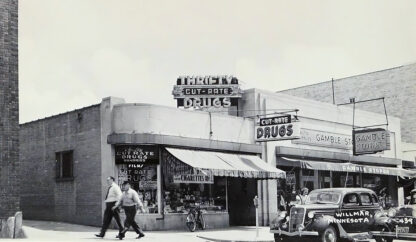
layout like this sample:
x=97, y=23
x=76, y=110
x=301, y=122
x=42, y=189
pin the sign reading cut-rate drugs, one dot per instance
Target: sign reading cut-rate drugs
x=206, y=91
x=276, y=128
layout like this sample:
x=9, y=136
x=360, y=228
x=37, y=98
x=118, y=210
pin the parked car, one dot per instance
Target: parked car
x=402, y=222
x=331, y=214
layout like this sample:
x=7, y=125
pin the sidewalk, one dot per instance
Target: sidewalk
x=57, y=231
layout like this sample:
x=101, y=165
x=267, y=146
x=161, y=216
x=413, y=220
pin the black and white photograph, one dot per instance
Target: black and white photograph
x=208, y=121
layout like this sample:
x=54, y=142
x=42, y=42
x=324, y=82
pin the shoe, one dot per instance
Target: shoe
x=140, y=236
x=120, y=236
x=99, y=235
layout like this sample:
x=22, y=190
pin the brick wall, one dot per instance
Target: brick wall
x=43, y=197
x=396, y=85
x=9, y=110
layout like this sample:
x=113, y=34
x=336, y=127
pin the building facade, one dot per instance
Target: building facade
x=177, y=158
x=174, y=158
x=9, y=121
x=322, y=156
x=397, y=85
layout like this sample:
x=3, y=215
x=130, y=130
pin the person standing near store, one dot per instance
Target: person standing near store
x=112, y=196
x=303, y=196
x=129, y=201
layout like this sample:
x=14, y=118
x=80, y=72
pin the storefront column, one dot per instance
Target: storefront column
x=159, y=188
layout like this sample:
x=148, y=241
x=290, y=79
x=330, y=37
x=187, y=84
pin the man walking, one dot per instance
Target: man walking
x=129, y=200
x=113, y=195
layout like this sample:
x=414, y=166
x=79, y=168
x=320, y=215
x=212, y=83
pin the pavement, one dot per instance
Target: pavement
x=58, y=231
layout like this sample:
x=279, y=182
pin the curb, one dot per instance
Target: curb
x=231, y=240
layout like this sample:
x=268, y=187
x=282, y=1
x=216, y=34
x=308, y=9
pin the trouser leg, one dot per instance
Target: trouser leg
x=130, y=214
x=116, y=214
x=108, y=215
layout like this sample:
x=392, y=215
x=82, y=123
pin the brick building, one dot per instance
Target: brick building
x=397, y=85
x=9, y=120
x=67, y=158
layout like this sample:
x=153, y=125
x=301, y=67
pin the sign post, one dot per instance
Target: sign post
x=256, y=204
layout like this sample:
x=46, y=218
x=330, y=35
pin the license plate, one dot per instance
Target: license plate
x=402, y=229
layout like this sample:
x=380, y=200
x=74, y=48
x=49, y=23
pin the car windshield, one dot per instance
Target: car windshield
x=323, y=197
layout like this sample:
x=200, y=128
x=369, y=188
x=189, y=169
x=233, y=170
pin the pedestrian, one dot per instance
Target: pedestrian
x=112, y=196
x=303, y=196
x=129, y=201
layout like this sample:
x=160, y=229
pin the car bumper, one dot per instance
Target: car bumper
x=294, y=234
x=394, y=235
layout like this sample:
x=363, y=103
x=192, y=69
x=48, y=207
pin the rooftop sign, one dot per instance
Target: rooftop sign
x=206, y=91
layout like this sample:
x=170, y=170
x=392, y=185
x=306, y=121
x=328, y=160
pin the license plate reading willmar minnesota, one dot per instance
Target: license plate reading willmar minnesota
x=402, y=229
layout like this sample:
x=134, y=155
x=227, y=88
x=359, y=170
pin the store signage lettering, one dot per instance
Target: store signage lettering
x=193, y=178
x=276, y=128
x=365, y=169
x=206, y=91
x=324, y=139
x=138, y=155
x=370, y=141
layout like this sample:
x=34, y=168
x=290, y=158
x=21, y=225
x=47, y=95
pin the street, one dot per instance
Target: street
x=58, y=231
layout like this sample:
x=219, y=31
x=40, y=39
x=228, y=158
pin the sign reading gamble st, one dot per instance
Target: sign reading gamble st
x=206, y=91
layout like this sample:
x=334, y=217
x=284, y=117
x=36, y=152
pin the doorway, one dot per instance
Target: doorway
x=241, y=192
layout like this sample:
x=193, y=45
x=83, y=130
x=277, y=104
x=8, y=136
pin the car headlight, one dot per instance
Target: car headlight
x=311, y=214
x=392, y=212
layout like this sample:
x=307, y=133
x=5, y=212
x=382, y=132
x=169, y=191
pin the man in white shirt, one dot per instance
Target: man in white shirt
x=129, y=200
x=113, y=195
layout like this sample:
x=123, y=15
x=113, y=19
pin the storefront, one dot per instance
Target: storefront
x=178, y=167
x=321, y=155
x=171, y=180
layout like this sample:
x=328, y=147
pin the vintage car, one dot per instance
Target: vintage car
x=330, y=215
x=402, y=222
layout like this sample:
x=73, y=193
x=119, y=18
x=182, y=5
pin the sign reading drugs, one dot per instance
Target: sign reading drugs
x=276, y=128
x=370, y=141
x=206, y=91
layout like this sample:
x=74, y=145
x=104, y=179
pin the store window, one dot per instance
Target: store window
x=138, y=164
x=185, y=186
x=64, y=165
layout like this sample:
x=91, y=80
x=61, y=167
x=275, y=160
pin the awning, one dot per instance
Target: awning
x=223, y=164
x=346, y=167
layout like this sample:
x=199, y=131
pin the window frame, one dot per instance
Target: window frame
x=351, y=204
x=59, y=159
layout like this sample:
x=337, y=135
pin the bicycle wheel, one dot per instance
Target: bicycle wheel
x=201, y=222
x=190, y=222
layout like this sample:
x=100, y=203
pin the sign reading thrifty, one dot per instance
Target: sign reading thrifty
x=206, y=91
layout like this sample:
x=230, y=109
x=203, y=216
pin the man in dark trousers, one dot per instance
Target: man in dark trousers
x=129, y=201
x=113, y=195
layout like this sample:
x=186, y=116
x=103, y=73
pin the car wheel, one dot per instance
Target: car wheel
x=329, y=235
x=382, y=239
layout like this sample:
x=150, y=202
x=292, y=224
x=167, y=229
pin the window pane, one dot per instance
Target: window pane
x=67, y=164
x=365, y=199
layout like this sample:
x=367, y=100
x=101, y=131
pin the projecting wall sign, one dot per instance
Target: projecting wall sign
x=276, y=128
x=370, y=141
x=206, y=91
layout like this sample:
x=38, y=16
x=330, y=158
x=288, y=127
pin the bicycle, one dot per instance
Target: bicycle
x=194, y=219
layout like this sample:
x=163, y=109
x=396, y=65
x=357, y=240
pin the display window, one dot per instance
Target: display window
x=144, y=181
x=185, y=187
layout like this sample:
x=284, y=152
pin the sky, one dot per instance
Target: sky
x=73, y=53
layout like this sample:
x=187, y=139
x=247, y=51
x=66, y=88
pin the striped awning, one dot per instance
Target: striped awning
x=223, y=164
x=346, y=167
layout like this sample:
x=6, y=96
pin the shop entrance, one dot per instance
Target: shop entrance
x=241, y=192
